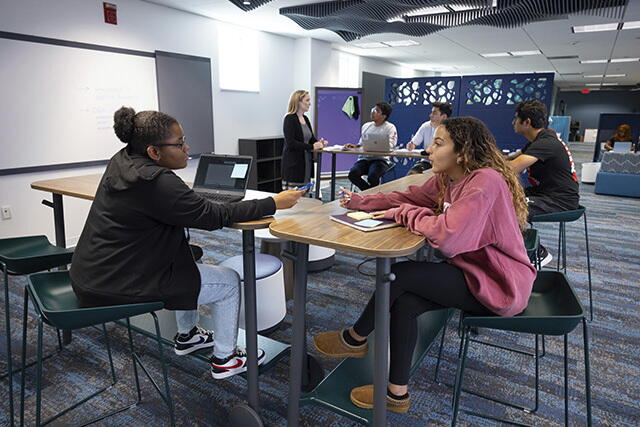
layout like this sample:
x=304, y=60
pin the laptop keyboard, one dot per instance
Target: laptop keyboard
x=221, y=198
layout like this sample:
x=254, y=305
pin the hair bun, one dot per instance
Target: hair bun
x=123, y=124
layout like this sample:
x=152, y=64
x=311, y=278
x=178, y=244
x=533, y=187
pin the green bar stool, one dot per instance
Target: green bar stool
x=553, y=309
x=19, y=256
x=562, y=218
x=56, y=304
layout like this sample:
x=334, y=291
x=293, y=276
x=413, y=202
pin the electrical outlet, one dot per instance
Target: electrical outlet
x=6, y=212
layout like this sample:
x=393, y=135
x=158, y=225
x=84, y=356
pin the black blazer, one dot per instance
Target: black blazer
x=293, y=156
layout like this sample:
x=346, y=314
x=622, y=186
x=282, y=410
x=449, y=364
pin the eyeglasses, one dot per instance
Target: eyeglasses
x=376, y=110
x=180, y=144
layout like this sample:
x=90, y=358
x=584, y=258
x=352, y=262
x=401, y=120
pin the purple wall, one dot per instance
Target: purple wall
x=335, y=126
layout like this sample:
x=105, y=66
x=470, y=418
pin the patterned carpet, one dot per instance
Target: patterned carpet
x=335, y=298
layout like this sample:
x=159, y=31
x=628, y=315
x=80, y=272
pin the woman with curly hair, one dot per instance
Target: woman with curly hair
x=473, y=211
x=623, y=134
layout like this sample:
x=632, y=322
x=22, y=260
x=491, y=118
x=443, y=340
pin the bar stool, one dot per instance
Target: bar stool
x=562, y=218
x=19, y=256
x=56, y=305
x=553, y=309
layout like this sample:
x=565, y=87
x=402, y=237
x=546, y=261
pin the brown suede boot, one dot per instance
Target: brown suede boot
x=362, y=397
x=332, y=344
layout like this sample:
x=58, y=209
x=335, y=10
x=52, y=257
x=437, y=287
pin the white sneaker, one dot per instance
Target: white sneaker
x=232, y=365
x=195, y=340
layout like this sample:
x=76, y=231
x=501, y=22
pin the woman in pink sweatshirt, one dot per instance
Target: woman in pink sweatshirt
x=472, y=211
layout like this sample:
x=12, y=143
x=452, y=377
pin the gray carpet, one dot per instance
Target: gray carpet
x=336, y=297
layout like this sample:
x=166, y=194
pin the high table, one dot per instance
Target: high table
x=84, y=187
x=315, y=227
x=355, y=151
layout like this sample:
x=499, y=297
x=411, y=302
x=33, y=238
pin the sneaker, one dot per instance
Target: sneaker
x=544, y=257
x=196, y=339
x=232, y=365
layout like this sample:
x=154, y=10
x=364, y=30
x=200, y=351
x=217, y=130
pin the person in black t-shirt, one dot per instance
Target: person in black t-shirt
x=552, y=174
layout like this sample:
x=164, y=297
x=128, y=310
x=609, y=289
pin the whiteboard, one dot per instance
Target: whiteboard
x=58, y=102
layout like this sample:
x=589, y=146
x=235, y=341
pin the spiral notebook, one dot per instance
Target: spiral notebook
x=364, y=222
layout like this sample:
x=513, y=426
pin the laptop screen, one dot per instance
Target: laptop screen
x=218, y=172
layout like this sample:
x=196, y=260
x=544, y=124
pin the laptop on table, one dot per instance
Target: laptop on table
x=222, y=178
x=376, y=143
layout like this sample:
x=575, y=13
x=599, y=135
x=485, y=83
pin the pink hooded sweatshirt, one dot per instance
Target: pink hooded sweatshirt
x=478, y=232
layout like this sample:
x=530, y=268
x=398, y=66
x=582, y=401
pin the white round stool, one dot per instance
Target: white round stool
x=271, y=305
x=590, y=172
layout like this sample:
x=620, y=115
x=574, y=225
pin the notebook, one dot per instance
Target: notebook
x=364, y=224
x=222, y=178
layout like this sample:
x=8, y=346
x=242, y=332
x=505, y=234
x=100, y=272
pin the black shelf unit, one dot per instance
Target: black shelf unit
x=266, y=172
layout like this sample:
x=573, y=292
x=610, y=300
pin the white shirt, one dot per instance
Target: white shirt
x=385, y=130
x=424, y=136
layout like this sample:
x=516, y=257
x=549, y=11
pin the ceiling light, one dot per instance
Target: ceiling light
x=631, y=25
x=594, y=76
x=610, y=84
x=370, y=45
x=396, y=19
x=525, y=52
x=428, y=11
x=557, y=58
x=592, y=84
x=401, y=43
x=460, y=8
x=246, y=3
x=616, y=75
x=625, y=59
x=594, y=61
x=594, y=28
x=495, y=55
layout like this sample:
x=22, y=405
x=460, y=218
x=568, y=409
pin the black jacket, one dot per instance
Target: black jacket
x=293, y=157
x=133, y=246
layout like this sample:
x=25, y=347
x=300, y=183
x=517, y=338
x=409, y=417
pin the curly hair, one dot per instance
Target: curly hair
x=623, y=133
x=475, y=144
x=139, y=130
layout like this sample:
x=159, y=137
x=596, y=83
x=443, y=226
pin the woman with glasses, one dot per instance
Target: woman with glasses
x=299, y=142
x=373, y=166
x=134, y=248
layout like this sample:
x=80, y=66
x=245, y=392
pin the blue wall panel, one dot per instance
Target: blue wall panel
x=490, y=98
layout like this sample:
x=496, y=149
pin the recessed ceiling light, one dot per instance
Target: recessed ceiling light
x=557, y=58
x=592, y=84
x=428, y=11
x=370, y=45
x=594, y=61
x=616, y=75
x=525, y=52
x=400, y=43
x=631, y=25
x=545, y=71
x=595, y=28
x=594, y=76
x=625, y=59
x=246, y=3
x=397, y=19
x=460, y=8
x=610, y=84
x=495, y=55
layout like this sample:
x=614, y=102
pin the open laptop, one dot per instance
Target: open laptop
x=222, y=178
x=377, y=143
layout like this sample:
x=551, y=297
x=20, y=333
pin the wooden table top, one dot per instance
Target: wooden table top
x=358, y=151
x=85, y=187
x=314, y=226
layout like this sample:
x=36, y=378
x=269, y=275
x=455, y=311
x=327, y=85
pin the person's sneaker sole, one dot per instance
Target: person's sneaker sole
x=193, y=348
x=546, y=260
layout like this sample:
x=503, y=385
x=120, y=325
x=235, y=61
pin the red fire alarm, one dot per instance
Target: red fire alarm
x=585, y=90
x=110, y=13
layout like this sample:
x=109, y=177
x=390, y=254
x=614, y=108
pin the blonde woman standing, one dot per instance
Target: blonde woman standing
x=299, y=142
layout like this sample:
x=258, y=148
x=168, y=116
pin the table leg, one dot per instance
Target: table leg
x=61, y=240
x=243, y=415
x=318, y=173
x=333, y=176
x=381, y=374
x=299, y=333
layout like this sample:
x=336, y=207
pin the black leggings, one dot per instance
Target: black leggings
x=419, y=287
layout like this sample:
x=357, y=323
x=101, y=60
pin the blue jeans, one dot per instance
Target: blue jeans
x=220, y=296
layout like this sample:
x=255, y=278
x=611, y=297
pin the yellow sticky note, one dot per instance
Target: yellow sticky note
x=359, y=216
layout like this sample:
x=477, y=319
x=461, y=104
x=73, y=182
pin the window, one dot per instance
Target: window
x=238, y=58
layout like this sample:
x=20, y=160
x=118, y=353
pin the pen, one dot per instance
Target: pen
x=304, y=187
